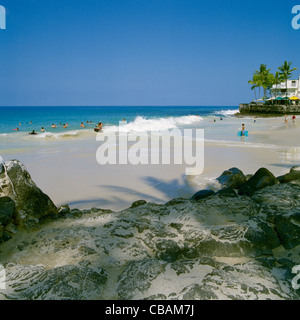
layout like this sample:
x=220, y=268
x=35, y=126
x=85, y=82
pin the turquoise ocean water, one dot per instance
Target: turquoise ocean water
x=20, y=117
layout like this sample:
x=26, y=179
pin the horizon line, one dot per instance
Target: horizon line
x=111, y=106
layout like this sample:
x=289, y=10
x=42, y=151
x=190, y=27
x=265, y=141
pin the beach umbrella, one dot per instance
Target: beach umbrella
x=278, y=98
x=285, y=98
x=294, y=98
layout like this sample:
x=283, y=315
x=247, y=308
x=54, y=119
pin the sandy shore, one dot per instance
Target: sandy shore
x=68, y=171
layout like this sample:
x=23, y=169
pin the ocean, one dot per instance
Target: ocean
x=20, y=117
x=27, y=119
x=64, y=162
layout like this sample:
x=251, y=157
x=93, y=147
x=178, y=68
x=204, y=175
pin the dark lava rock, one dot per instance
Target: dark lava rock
x=232, y=178
x=294, y=174
x=138, y=203
x=202, y=194
x=7, y=210
x=227, y=192
x=288, y=228
x=261, y=179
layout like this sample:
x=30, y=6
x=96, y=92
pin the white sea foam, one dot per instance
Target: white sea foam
x=243, y=144
x=141, y=124
x=227, y=112
x=58, y=135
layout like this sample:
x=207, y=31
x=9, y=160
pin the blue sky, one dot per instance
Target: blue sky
x=141, y=52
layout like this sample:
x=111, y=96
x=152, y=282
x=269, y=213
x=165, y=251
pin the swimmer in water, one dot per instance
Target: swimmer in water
x=42, y=129
x=82, y=125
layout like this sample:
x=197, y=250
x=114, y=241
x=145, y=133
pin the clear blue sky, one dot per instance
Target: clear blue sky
x=141, y=52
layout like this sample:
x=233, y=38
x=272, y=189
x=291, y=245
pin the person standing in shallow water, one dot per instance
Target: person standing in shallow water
x=243, y=130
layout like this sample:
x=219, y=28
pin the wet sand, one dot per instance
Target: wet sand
x=68, y=172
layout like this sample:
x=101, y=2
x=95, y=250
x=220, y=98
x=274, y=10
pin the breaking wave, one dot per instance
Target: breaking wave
x=227, y=113
x=141, y=124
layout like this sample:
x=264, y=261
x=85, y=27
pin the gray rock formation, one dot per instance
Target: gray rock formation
x=7, y=210
x=27, y=204
x=224, y=246
x=253, y=108
x=68, y=282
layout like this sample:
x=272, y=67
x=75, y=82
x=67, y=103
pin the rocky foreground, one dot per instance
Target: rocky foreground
x=241, y=242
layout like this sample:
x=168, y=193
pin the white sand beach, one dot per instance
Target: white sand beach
x=68, y=172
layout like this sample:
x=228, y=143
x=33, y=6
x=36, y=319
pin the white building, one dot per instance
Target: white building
x=293, y=89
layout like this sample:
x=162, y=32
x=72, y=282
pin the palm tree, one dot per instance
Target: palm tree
x=277, y=79
x=264, y=77
x=286, y=72
x=254, y=85
x=270, y=81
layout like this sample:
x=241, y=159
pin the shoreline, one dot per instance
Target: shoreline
x=66, y=169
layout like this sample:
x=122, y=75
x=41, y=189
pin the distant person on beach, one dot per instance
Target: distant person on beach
x=82, y=125
x=294, y=118
x=42, y=129
x=243, y=130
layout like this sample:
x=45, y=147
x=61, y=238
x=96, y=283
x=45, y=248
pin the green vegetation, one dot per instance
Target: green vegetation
x=263, y=78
